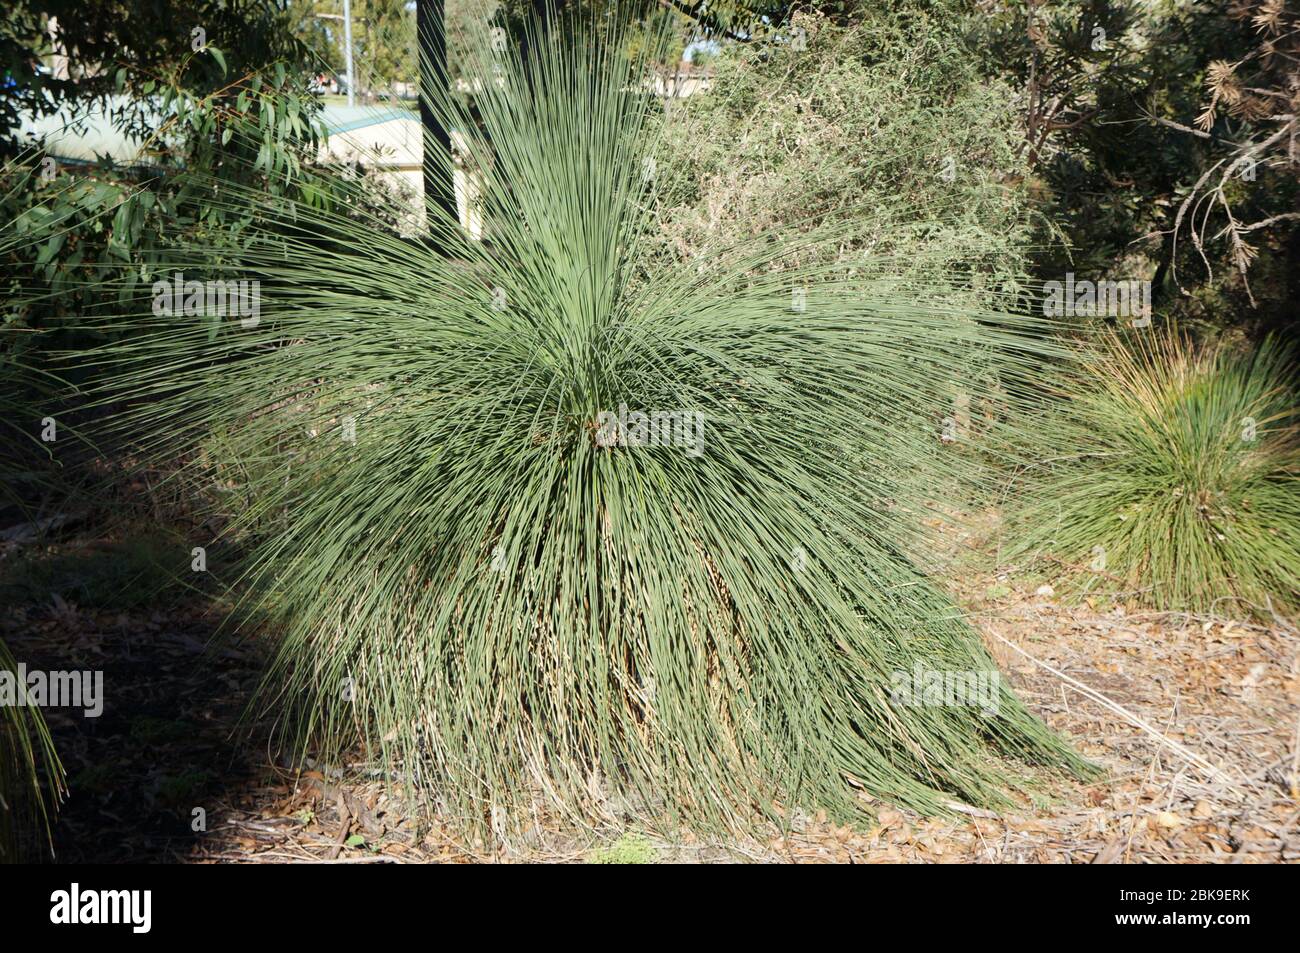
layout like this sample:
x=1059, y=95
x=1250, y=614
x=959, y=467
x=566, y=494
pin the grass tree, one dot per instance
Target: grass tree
x=547, y=520
x=1170, y=476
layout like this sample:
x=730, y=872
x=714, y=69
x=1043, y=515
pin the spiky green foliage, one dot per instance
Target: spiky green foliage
x=31, y=778
x=1172, y=476
x=504, y=607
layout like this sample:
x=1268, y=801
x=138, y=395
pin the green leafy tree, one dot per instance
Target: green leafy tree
x=165, y=86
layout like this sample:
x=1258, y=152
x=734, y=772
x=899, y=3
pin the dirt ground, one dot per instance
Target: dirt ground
x=1196, y=720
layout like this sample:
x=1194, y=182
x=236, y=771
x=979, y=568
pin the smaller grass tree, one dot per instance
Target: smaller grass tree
x=1170, y=476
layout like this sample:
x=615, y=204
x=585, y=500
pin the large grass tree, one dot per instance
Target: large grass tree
x=507, y=600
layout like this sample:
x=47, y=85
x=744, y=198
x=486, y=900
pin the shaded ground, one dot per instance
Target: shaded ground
x=164, y=743
x=1213, y=776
